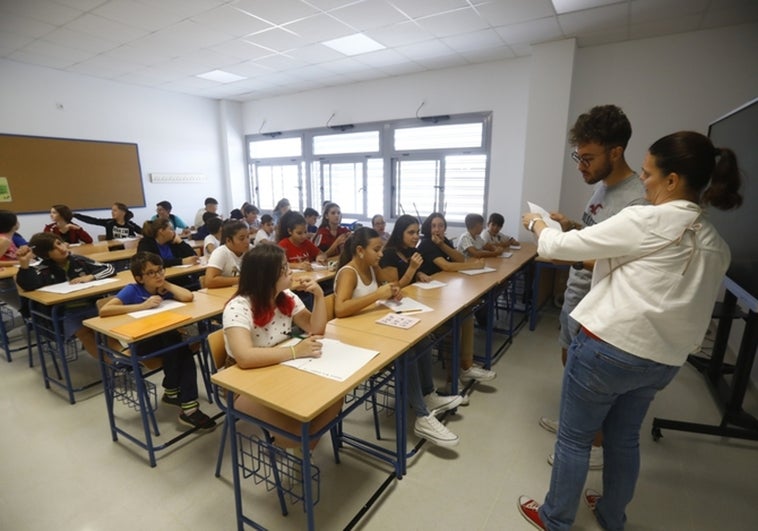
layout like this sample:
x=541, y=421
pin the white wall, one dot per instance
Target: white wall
x=664, y=84
x=175, y=133
x=501, y=87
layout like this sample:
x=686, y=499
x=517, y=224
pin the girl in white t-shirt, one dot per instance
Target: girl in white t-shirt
x=260, y=316
x=224, y=264
x=360, y=283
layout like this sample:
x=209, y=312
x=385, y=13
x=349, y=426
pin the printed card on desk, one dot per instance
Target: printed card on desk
x=405, y=305
x=472, y=272
x=432, y=284
x=398, y=320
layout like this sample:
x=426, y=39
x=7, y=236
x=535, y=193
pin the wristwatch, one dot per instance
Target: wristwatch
x=530, y=226
x=578, y=265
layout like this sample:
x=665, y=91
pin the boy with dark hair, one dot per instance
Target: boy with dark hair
x=180, y=377
x=266, y=234
x=214, y=228
x=211, y=206
x=311, y=218
x=493, y=235
x=163, y=210
x=58, y=265
x=471, y=243
x=202, y=230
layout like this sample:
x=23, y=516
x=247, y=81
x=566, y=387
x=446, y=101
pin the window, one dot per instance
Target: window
x=405, y=166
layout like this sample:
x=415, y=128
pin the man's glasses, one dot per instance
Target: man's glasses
x=155, y=272
x=581, y=160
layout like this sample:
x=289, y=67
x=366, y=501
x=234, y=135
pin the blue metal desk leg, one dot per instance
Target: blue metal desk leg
x=455, y=357
x=305, y=438
x=141, y=396
x=235, y=460
x=490, y=305
x=535, y=293
x=107, y=384
x=401, y=408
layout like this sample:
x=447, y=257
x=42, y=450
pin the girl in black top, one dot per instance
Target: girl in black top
x=119, y=225
x=401, y=260
x=160, y=238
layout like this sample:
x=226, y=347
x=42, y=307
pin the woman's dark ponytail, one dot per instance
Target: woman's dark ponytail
x=723, y=192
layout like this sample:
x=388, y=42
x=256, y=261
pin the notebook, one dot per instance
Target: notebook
x=142, y=327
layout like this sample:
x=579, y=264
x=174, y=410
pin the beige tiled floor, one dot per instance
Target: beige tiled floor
x=60, y=470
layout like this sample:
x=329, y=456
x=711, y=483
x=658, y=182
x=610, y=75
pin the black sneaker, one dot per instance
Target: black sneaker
x=171, y=400
x=198, y=420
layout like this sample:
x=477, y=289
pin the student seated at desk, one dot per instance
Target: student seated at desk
x=311, y=217
x=202, y=230
x=224, y=264
x=211, y=206
x=378, y=223
x=400, y=259
x=160, y=238
x=294, y=240
x=179, y=374
x=267, y=231
x=213, y=240
x=471, y=244
x=356, y=286
x=260, y=317
x=163, y=211
x=331, y=235
x=440, y=255
x=62, y=226
x=119, y=225
x=58, y=265
x=494, y=236
x=9, y=249
x=250, y=217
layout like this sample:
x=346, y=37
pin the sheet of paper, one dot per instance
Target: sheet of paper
x=472, y=272
x=65, y=287
x=536, y=209
x=398, y=320
x=318, y=267
x=165, y=305
x=506, y=255
x=338, y=360
x=515, y=247
x=432, y=284
x=405, y=305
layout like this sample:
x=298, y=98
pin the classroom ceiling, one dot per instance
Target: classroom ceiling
x=274, y=47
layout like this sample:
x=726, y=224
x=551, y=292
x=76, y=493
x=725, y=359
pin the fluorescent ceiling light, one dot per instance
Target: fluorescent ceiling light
x=567, y=6
x=220, y=76
x=355, y=44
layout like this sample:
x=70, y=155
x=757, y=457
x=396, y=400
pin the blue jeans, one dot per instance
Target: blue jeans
x=604, y=388
x=420, y=381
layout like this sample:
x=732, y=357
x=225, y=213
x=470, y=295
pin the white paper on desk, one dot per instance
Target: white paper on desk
x=515, y=247
x=162, y=307
x=536, y=209
x=315, y=266
x=432, y=284
x=66, y=287
x=506, y=255
x=183, y=266
x=338, y=360
x=472, y=272
x=405, y=305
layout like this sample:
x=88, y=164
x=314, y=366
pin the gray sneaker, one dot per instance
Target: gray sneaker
x=549, y=424
x=477, y=373
x=434, y=431
x=437, y=404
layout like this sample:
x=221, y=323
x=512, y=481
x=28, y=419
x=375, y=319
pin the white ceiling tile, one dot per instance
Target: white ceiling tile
x=103, y=66
x=591, y=20
x=230, y=21
x=521, y=50
x=654, y=10
x=50, y=49
x=83, y=5
x=187, y=8
x=425, y=50
x=276, y=39
x=534, y=31
x=41, y=10
x=132, y=13
x=453, y=22
x=602, y=37
x=139, y=55
x=190, y=35
x=241, y=49
x=319, y=28
x=248, y=69
x=726, y=17
x=79, y=40
x=476, y=40
x=10, y=41
x=279, y=62
x=106, y=28
x=367, y=15
x=24, y=25
x=424, y=8
x=567, y=6
x=489, y=54
x=212, y=59
x=665, y=26
x=400, y=34
x=278, y=12
x=40, y=60
x=328, y=5
x=381, y=58
x=344, y=66
x=411, y=67
x=315, y=53
x=447, y=61
x=515, y=11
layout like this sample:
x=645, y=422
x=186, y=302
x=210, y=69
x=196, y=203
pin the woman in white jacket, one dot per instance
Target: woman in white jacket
x=656, y=278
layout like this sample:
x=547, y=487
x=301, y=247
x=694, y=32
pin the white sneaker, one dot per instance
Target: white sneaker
x=596, y=458
x=477, y=373
x=447, y=391
x=437, y=404
x=549, y=424
x=434, y=431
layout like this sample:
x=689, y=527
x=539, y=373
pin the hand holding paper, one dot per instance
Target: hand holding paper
x=550, y=222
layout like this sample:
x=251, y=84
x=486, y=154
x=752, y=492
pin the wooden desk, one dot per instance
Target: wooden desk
x=8, y=272
x=88, y=248
x=201, y=308
x=303, y=396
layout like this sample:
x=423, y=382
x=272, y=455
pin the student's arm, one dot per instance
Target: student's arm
x=5, y=244
x=134, y=227
x=95, y=270
x=443, y=264
x=312, y=322
x=92, y=221
x=180, y=294
x=28, y=278
x=477, y=253
x=116, y=306
x=344, y=303
x=214, y=279
x=455, y=255
x=248, y=356
x=80, y=233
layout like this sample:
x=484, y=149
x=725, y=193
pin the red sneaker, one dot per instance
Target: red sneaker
x=529, y=510
x=590, y=498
